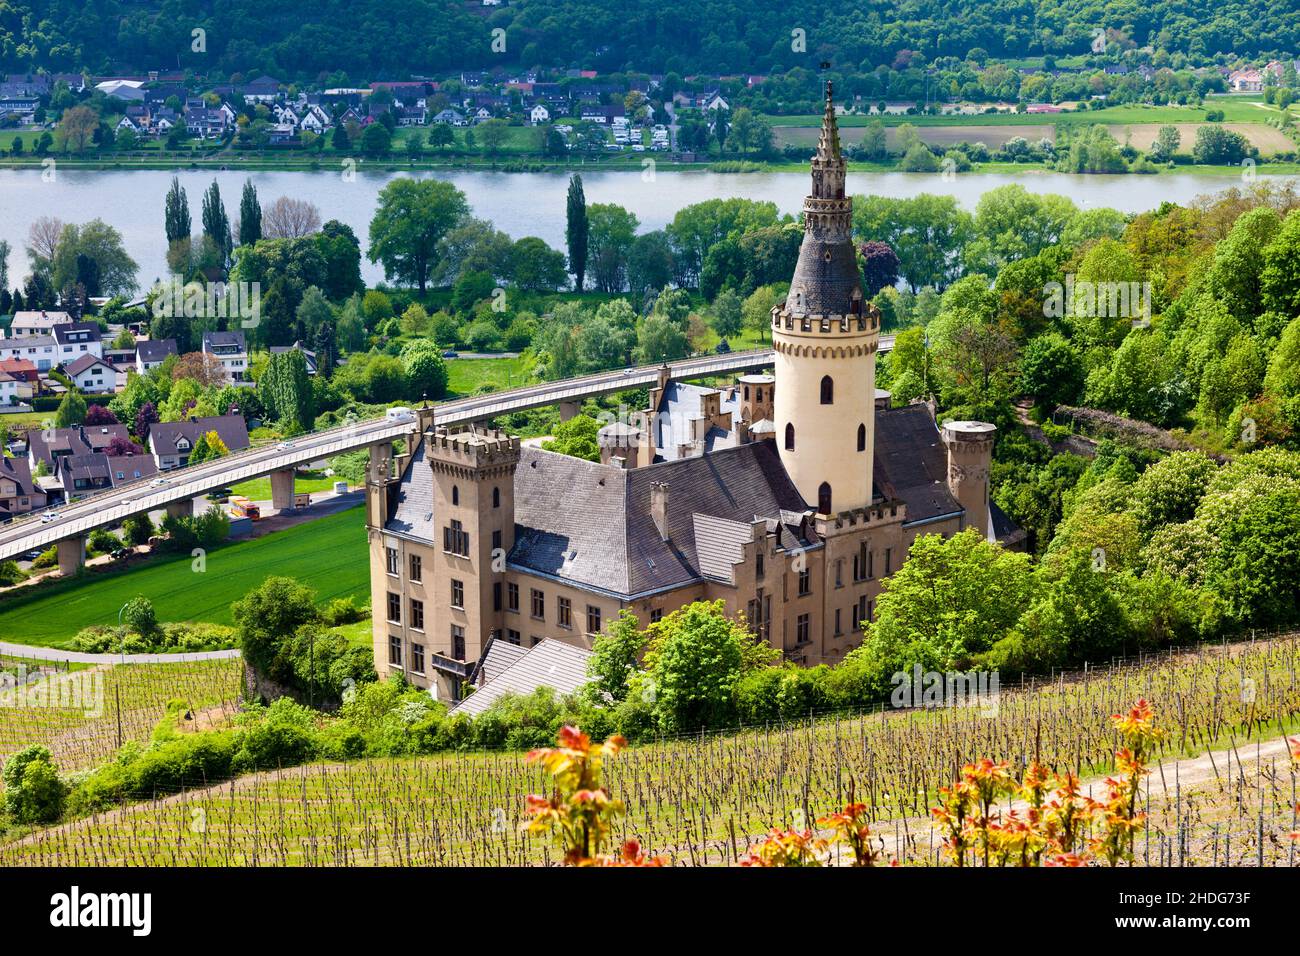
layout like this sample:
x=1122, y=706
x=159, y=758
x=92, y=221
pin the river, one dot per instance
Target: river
x=521, y=204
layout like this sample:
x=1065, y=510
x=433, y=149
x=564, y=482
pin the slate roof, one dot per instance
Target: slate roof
x=231, y=429
x=719, y=545
x=550, y=663
x=155, y=350
x=412, y=513
x=83, y=362
x=92, y=468
x=19, y=472
x=498, y=656
x=911, y=462
x=69, y=333
x=680, y=404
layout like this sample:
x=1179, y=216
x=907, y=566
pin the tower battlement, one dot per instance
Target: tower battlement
x=472, y=449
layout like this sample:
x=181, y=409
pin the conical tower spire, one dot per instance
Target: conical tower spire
x=828, y=144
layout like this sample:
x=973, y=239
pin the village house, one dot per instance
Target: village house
x=230, y=349
x=150, y=353
x=92, y=375
x=76, y=339
x=19, y=494
x=171, y=443
x=39, y=350
x=37, y=322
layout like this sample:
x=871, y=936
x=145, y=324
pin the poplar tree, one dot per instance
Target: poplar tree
x=575, y=231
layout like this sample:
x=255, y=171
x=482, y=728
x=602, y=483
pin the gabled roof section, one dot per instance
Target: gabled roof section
x=551, y=663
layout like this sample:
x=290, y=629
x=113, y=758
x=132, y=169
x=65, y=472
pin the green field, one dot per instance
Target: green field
x=259, y=489
x=328, y=555
x=467, y=376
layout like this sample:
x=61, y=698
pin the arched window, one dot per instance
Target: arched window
x=862, y=438
x=746, y=393
x=824, y=498
x=455, y=495
x=496, y=497
x=789, y=436
x=828, y=390
x=760, y=395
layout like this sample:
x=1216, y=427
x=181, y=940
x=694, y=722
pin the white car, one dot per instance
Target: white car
x=284, y=446
x=158, y=482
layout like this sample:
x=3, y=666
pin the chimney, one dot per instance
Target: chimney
x=659, y=507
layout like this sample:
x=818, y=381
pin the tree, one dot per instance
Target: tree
x=926, y=232
x=376, y=140
x=1166, y=144
x=411, y=218
x=659, y=339
x=267, y=617
x=285, y=390
x=77, y=128
x=727, y=314
x=92, y=253
x=1052, y=370
x=493, y=133
x=535, y=266
x=176, y=214
x=650, y=262
x=612, y=230
x=879, y=266
x=139, y=616
x=426, y=371
x=288, y=218
x=33, y=792
x=1280, y=278
x=250, y=215
x=614, y=657
x=341, y=250
x=576, y=230
x=576, y=438
x=1217, y=145
x=71, y=411
x=441, y=135
x=695, y=657
x=99, y=415
x=216, y=225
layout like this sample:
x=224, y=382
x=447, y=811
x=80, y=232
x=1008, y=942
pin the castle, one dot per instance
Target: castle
x=789, y=496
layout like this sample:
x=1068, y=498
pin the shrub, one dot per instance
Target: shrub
x=33, y=791
x=139, y=616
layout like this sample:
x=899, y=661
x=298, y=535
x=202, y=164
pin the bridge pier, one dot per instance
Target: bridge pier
x=72, y=556
x=282, y=490
x=181, y=509
x=569, y=409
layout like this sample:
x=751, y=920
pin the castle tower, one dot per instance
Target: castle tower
x=970, y=453
x=474, y=510
x=825, y=337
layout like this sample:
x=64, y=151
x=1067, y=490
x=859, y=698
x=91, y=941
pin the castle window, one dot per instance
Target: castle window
x=759, y=396
x=862, y=437
x=496, y=497
x=417, y=568
x=390, y=555
x=395, y=650
x=564, y=610
x=496, y=596
x=512, y=636
x=455, y=495
x=789, y=436
x=593, y=619
x=455, y=539
x=417, y=615
x=828, y=390
x=394, y=607
x=539, y=604
x=656, y=615
x=458, y=642
x=802, y=629
x=417, y=658
x=824, y=498
x=746, y=393
x=512, y=597
x=805, y=582
x=457, y=593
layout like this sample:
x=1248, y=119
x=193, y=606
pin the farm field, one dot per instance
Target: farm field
x=702, y=800
x=106, y=705
x=993, y=137
x=329, y=553
x=1269, y=141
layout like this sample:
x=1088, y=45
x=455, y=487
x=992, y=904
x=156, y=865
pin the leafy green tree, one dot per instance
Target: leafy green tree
x=267, y=617
x=426, y=372
x=926, y=232
x=1217, y=145
x=650, y=262
x=611, y=232
x=576, y=230
x=695, y=658
x=285, y=390
x=137, y=530
x=1051, y=370
x=576, y=438
x=71, y=411
x=727, y=314
x=176, y=214
x=216, y=224
x=1170, y=491
x=376, y=140
x=1166, y=144
x=412, y=216
x=33, y=792
x=535, y=266
x=96, y=245
x=615, y=654
x=139, y=616
x=660, y=340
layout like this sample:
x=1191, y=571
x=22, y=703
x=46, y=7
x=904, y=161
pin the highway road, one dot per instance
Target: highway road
x=38, y=530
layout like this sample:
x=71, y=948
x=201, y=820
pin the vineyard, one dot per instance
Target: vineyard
x=84, y=715
x=1223, y=788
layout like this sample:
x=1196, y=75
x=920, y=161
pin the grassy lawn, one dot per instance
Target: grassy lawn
x=467, y=376
x=18, y=421
x=307, y=482
x=1235, y=109
x=328, y=554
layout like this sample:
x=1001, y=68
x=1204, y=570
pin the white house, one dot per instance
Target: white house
x=150, y=353
x=77, y=339
x=230, y=349
x=8, y=389
x=37, y=322
x=92, y=376
x=539, y=114
x=40, y=350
